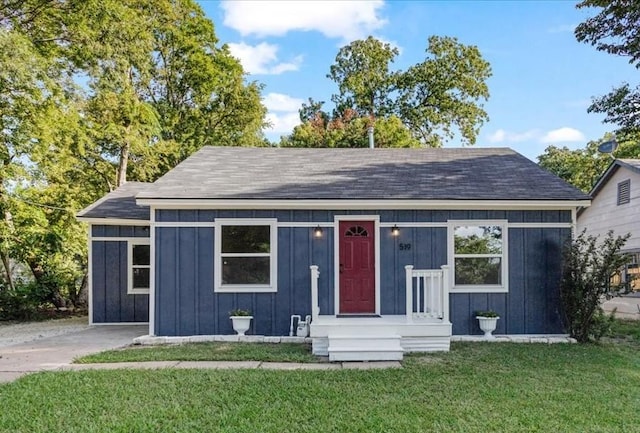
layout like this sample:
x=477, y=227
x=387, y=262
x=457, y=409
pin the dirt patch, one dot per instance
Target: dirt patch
x=16, y=333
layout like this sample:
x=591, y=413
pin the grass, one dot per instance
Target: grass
x=477, y=387
x=282, y=352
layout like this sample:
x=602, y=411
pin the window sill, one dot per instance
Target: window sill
x=138, y=292
x=245, y=289
x=479, y=289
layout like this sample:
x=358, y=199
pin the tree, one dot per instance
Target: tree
x=587, y=269
x=583, y=167
x=87, y=87
x=432, y=100
x=614, y=29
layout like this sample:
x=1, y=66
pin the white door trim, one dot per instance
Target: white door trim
x=336, y=256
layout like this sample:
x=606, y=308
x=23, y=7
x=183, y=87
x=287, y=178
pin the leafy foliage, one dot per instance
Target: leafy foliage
x=587, y=270
x=614, y=29
x=583, y=167
x=424, y=105
x=93, y=93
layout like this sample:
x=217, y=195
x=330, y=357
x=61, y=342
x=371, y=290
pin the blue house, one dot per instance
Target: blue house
x=389, y=250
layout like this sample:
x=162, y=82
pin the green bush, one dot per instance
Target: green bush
x=587, y=270
x=23, y=302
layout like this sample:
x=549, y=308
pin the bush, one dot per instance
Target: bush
x=21, y=303
x=587, y=270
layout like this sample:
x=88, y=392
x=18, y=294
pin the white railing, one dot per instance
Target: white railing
x=315, y=308
x=430, y=289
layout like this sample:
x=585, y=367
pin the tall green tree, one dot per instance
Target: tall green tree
x=583, y=167
x=433, y=100
x=614, y=29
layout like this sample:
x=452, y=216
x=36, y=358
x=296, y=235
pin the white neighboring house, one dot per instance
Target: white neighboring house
x=616, y=206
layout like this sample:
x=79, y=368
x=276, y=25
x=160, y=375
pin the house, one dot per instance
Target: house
x=389, y=250
x=616, y=206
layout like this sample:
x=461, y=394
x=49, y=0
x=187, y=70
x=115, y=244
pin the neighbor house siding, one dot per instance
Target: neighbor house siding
x=109, y=273
x=187, y=305
x=605, y=214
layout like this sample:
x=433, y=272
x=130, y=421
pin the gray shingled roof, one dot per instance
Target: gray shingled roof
x=120, y=204
x=377, y=174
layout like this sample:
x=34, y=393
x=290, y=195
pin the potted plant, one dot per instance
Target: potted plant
x=241, y=320
x=488, y=320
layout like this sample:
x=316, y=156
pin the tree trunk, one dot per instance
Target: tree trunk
x=122, y=165
x=7, y=269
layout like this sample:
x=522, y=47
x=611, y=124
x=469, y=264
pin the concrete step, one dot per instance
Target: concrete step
x=365, y=348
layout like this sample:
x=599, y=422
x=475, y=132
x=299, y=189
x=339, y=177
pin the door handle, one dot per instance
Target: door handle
x=341, y=268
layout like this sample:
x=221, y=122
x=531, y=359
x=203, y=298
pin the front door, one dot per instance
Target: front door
x=357, y=267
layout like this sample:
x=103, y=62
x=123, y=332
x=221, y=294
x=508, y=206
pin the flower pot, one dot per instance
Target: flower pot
x=241, y=324
x=488, y=325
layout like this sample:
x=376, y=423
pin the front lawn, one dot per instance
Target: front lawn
x=217, y=351
x=477, y=387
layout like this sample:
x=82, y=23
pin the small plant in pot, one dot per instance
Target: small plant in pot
x=241, y=320
x=488, y=320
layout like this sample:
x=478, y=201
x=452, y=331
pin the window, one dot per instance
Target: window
x=139, y=259
x=624, y=192
x=478, y=256
x=245, y=255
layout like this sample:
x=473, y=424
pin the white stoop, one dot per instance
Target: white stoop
x=365, y=348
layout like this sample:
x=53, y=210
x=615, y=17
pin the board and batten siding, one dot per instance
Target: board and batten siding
x=605, y=214
x=187, y=305
x=110, y=301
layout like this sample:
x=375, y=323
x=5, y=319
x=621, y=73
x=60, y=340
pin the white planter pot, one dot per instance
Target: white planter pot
x=241, y=324
x=488, y=325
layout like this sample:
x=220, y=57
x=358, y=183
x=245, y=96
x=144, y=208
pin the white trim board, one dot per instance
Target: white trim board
x=312, y=224
x=119, y=323
x=152, y=276
x=130, y=289
x=113, y=221
x=204, y=203
x=90, y=274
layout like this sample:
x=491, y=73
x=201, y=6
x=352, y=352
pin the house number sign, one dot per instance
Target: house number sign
x=404, y=247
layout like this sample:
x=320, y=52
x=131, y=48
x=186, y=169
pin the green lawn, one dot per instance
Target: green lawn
x=477, y=387
x=281, y=352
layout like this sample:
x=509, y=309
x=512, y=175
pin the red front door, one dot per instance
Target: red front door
x=357, y=267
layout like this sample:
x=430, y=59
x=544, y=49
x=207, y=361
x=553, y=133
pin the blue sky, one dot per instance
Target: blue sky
x=542, y=82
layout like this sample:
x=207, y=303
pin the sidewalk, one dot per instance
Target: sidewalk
x=9, y=376
x=626, y=307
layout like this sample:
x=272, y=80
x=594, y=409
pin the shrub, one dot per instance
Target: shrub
x=587, y=269
x=21, y=303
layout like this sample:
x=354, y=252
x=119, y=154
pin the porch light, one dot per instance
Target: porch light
x=395, y=231
x=317, y=232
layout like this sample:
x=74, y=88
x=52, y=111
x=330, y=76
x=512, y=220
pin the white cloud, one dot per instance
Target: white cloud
x=263, y=58
x=281, y=102
x=348, y=20
x=563, y=135
x=502, y=136
x=282, y=123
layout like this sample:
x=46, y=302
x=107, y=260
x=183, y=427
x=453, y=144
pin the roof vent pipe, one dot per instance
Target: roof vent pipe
x=370, y=133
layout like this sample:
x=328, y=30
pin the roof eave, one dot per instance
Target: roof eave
x=461, y=204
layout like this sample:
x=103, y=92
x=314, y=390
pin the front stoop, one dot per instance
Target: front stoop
x=364, y=348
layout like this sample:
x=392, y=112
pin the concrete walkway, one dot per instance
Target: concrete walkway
x=626, y=307
x=54, y=352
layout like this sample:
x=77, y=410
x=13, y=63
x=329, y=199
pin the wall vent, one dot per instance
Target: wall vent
x=624, y=192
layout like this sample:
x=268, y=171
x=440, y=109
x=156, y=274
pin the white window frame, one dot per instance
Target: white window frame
x=130, y=244
x=484, y=288
x=272, y=254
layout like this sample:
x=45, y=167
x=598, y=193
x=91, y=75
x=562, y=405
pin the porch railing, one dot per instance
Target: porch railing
x=427, y=293
x=315, y=308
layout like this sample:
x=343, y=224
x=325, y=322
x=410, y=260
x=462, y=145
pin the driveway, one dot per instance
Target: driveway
x=53, y=352
x=626, y=307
